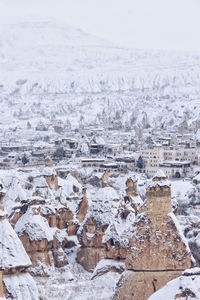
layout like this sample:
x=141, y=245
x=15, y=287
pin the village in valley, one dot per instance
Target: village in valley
x=99, y=174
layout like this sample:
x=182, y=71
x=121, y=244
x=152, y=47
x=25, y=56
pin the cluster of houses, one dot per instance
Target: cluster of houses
x=178, y=155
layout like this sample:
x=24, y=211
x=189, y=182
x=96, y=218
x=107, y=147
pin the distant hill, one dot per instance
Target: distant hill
x=77, y=74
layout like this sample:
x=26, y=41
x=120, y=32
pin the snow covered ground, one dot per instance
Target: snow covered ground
x=73, y=282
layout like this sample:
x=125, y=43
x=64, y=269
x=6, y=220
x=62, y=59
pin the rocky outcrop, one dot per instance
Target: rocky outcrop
x=20, y=286
x=157, y=251
x=131, y=187
x=145, y=236
x=14, y=262
x=104, y=225
x=40, y=240
x=90, y=238
x=132, y=194
x=83, y=207
x=60, y=257
x=101, y=215
x=45, y=226
x=104, y=179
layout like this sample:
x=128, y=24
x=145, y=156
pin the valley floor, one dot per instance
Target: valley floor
x=73, y=282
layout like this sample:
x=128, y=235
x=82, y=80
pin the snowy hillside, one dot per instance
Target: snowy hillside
x=78, y=74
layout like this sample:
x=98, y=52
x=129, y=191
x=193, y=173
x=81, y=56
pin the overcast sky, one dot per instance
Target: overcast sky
x=158, y=24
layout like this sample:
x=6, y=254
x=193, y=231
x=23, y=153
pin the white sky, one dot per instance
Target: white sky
x=161, y=24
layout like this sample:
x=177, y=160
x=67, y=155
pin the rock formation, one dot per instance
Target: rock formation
x=132, y=193
x=91, y=232
x=104, y=179
x=15, y=281
x=131, y=187
x=83, y=207
x=145, y=236
x=45, y=222
x=157, y=251
x=118, y=232
x=50, y=174
x=43, y=230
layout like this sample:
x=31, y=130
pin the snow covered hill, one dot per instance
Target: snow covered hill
x=69, y=72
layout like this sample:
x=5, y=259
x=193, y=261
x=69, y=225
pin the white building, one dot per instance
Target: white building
x=175, y=162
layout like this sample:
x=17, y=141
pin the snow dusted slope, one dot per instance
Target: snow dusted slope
x=43, y=61
x=12, y=252
x=37, y=47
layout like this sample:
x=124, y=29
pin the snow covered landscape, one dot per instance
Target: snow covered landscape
x=99, y=166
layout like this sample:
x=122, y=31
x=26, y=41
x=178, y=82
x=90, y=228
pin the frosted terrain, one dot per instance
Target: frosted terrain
x=50, y=72
x=81, y=76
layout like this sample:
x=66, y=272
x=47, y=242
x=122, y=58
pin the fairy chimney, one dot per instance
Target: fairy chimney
x=131, y=187
x=83, y=207
x=104, y=179
x=50, y=174
x=158, y=196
